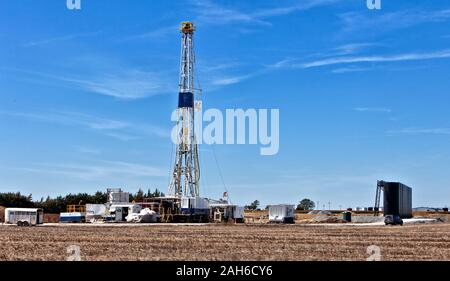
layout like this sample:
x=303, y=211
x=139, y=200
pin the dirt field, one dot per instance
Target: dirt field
x=225, y=242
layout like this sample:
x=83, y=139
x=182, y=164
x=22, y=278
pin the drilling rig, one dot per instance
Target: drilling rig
x=185, y=180
x=183, y=203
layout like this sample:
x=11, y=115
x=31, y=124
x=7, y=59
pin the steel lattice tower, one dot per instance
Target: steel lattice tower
x=186, y=172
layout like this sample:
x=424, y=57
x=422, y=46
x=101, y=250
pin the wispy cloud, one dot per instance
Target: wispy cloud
x=373, y=109
x=206, y=12
x=219, y=73
x=381, y=22
x=421, y=131
x=100, y=170
x=60, y=38
x=121, y=130
x=118, y=82
x=352, y=48
x=213, y=13
x=351, y=69
x=230, y=80
x=156, y=33
x=220, y=80
x=88, y=150
x=364, y=59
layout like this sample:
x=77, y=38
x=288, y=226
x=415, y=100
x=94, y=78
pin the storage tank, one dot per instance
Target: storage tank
x=397, y=199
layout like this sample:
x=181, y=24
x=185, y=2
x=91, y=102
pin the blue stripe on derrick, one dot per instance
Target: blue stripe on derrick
x=186, y=99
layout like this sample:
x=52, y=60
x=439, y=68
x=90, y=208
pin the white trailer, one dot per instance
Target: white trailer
x=281, y=214
x=24, y=216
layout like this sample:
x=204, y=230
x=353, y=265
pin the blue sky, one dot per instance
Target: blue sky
x=86, y=96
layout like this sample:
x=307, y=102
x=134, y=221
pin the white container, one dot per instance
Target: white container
x=281, y=213
x=238, y=212
x=194, y=203
x=185, y=203
x=95, y=209
x=116, y=195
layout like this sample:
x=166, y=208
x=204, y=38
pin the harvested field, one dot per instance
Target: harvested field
x=225, y=242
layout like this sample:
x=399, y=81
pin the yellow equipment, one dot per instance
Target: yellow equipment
x=76, y=208
x=187, y=27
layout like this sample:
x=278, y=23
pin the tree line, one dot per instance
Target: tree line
x=304, y=205
x=59, y=204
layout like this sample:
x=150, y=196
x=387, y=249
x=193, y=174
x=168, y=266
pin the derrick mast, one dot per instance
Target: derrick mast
x=186, y=171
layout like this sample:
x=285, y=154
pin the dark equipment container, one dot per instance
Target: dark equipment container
x=397, y=199
x=347, y=216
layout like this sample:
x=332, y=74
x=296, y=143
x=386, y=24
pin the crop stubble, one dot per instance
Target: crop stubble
x=226, y=242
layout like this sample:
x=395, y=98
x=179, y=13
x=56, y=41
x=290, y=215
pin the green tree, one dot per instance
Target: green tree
x=253, y=206
x=306, y=205
x=139, y=196
x=16, y=200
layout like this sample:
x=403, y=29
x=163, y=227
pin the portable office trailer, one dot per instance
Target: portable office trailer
x=397, y=200
x=24, y=216
x=281, y=213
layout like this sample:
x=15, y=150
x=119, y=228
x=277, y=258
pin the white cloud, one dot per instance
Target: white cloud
x=421, y=131
x=373, y=109
x=125, y=84
x=213, y=13
x=364, y=59
x=380, y=22
x=100, y=170
x=88, y=150
x=351, y=69
x=352, y=48
x=224, y=81
x=121, y=130
x=60, y=38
